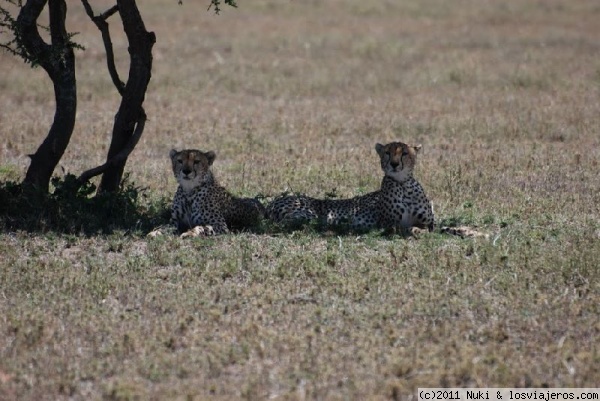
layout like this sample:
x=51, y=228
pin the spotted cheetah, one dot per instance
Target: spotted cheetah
x=201, y=206
x=399, y=203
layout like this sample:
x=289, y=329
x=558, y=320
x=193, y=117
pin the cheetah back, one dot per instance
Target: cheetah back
x=359, y=213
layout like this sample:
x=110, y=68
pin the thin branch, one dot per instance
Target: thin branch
x=102, y=25
x=88, y=9
x=122, y=155
x=13, y=51
x=108, y=13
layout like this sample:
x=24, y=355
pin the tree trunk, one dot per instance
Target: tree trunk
x=131, y=112
x=58, y=60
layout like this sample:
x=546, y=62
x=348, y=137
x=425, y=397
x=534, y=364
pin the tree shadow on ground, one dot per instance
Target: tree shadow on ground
x=71, y=209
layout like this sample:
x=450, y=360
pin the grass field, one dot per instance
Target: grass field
x=503, y=96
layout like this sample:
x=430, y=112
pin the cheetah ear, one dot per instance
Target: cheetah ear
x=211, y=156
x=172, y=153
x=417, y=148
x=379, y=148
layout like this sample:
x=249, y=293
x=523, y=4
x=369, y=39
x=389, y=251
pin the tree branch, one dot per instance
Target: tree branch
x=122, y=155
x=102, y=25
x=28, y=34
x=13, y=51
x=108, y=13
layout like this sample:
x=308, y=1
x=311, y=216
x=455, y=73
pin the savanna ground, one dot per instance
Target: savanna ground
x=504, y=97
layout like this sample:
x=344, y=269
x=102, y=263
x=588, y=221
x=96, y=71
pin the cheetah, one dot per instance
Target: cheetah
x=201, y=206
x=400, y=203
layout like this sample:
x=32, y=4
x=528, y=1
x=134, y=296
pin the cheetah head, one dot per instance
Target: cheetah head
x=192, y=167
x=397, y=159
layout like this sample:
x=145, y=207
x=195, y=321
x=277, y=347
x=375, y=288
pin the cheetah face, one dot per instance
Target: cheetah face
x=397, y=159
x=192, y=167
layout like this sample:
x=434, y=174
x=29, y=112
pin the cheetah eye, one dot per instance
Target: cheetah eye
x=180, y=161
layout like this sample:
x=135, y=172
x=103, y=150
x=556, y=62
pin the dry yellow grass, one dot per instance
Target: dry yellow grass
x=503, y=96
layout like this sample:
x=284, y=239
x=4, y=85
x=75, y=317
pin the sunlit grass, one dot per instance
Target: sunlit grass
x=294, y=96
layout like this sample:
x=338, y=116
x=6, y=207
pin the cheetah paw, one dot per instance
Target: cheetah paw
x=155, y=233
x=199, y=231
x=416, y=232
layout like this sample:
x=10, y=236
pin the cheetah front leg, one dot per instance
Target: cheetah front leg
x=207, y=227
